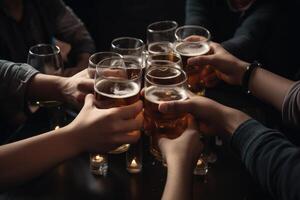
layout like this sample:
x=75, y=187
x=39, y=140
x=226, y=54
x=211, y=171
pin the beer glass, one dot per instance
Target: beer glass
x=163, y=58
x=98, y=57
x=161, y=36
x=163, y=84
x=47, y=59
x=117, y=83
x=193, y=41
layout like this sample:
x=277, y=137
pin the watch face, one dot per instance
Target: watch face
x=240, y=5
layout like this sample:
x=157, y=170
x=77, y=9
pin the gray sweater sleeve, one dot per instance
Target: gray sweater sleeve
x=14, y=79
x=291, y=106
x=272, y=160
x=70, y=29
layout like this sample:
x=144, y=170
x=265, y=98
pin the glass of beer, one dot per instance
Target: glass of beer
x=170, y=57
x=98, y=57
x=47, y=59
x=117, y=83
x=161, y=36
x=163, y=84
x=193, y=41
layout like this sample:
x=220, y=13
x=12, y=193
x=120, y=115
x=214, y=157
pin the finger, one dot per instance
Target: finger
x=127, y=138
x=211, y=80
x=89, y=100
x=195, y=38
x=86, y=86
x=128, y=125
x=131, y=111
x=176, y=107
x=201, y=60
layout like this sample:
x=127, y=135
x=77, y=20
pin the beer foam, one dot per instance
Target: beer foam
x=191, y=49
x=159, y=95
x=117, y=89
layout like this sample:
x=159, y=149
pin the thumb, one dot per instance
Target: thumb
x=89, y=100
x=86, y=86
x=176, y=107
x=201, y=60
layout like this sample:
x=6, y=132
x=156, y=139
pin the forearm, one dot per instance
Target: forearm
x=28, y=158
x=179, y=180
x=46, y=87
x=269, y=87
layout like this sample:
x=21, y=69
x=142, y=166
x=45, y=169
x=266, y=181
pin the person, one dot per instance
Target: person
x=28, y=23
x=272, y=160
x=261, y=30
x=93, y=130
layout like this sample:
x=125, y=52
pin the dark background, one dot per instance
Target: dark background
x=107, y=20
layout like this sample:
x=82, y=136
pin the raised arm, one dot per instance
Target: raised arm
x=263, y=84
x=93, y=130
x=271, y=159
x=181, y=155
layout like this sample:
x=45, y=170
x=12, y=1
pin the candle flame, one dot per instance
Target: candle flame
x=133, y=163
x=98, y=158
x=199, y=162
x=56, y=127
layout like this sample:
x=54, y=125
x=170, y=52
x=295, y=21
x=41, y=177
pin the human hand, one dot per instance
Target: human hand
x=185, y=149
x=212, y=117
x=102, y=130
x=75, y=88
x=228, y=68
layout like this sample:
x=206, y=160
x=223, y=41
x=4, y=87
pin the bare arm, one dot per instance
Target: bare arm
x=263, y=84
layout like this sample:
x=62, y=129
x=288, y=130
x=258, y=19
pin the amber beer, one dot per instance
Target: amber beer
x=167, y=125
x=163, y=84
x=186, y=51
x=112, y=94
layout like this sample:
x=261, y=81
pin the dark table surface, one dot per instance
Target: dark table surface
x=226, y=179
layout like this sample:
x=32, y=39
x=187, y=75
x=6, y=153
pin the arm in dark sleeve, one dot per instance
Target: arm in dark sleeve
x=254, y=30
x=291, y=106
x=14, y=79
x=197, y=13
x=270, y=158
x=70, y=29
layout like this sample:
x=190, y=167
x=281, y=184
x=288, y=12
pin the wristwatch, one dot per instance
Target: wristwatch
x=247, y=75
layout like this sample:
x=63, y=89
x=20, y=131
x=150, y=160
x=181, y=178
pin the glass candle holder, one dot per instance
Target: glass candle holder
x=134, y=158
x=98, y=164
x=201, y=166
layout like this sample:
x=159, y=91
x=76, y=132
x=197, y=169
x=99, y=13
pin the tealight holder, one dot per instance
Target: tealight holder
x=98, y=164
x=134, y=158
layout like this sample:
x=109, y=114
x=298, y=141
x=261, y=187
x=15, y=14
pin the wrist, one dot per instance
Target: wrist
x=72, y=137
x=241, y=69
x=62, y=84
x=233, y=119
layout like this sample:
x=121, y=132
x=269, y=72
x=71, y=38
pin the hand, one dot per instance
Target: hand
x=228, y=68
x=75, y=88
x=102, y=130
x=184, y=149
x=212, y=117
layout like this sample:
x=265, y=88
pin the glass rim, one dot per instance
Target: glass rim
x=98, y=67
x=190, y=27
x=150, y=30
x=170, y=85
x=102, y=52
x=127, y=38
x=55, y=48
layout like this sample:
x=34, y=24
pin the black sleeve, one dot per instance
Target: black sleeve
x=249, y=38
x=197, y=13
x=270, y=158
x=69, y=28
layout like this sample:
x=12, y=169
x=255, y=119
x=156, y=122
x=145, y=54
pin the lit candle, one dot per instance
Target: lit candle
x=133, y=164
x=98, y=164
x=56, y=127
